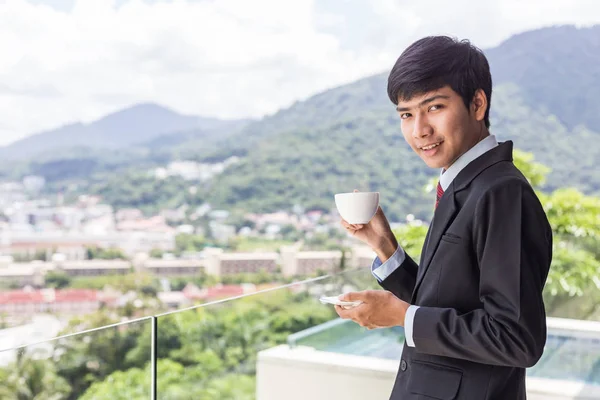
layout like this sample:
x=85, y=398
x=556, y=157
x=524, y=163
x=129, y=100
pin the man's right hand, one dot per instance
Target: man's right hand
x=377, y=234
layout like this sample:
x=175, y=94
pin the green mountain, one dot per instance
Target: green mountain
x=131, y=127
x=349, y=137
x=556, y=69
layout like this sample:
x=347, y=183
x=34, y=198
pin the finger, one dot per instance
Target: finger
x=355, y=190
x=351, y=296
x=343, y=313
x=346, y=225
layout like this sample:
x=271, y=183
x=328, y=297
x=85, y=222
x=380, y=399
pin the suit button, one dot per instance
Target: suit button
x=403, y=365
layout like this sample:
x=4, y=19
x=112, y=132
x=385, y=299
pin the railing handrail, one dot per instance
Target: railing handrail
x=149, y=317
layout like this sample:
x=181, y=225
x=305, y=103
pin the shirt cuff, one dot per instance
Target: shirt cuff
x=382, y=270
x=409, y=320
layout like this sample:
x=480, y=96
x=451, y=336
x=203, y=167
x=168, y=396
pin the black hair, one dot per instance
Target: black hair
x=436, y=61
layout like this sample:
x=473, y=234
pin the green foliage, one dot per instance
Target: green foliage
x=29, y=378
x=124, y=283
x=175, y=382
x=572, y=271
x=39, y=255
x=88, y=358
x=363, y=148
x=575, y=221
x=58, y=280
x=156, y=253
x=186, y=242
x=207, y=353
x=344, y=139
x=262, y=276
x=134, y=189
x=98, y=253
x=573, y=214
x=534, y=172
x=250, y=244
x=411, y=237
x=201, y=279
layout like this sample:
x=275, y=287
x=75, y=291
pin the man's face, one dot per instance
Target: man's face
x=439, y=127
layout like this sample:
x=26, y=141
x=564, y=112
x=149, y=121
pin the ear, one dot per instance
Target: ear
x=479, y=104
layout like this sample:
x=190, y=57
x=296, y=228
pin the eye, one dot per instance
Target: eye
x=436, y=107
x=404, y=115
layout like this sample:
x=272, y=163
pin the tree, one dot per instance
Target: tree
x=84, y=359
x=57, y=280
x=105, y=254
x=156, y=253
x=32, y=378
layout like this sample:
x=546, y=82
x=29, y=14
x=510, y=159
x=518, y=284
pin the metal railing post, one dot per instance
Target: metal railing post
x=153, y=357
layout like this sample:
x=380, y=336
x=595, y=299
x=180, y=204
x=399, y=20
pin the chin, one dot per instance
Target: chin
x=434, y=163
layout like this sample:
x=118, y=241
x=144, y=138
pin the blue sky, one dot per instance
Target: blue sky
x=76, y=60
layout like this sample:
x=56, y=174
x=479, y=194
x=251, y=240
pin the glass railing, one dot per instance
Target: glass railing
x=112, y=362
x=211, y=352
x=279, y=342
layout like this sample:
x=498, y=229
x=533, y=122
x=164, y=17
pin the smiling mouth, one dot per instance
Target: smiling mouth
x=431, y=146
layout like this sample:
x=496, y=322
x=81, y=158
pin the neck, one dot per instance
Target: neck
x=483, y=133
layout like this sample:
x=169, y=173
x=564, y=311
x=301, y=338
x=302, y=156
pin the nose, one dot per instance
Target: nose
x=421, y=127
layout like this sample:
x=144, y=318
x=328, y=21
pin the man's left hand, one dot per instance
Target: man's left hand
x=379, y=309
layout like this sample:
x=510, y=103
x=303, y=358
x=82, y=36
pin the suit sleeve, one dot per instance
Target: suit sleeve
x=401, y=282
x=513, y=244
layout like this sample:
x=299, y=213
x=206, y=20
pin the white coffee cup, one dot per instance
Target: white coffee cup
x=357, y=207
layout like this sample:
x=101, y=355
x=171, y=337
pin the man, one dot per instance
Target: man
x=472, y=309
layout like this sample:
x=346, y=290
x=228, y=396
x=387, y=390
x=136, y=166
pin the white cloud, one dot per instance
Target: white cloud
x=226, y=58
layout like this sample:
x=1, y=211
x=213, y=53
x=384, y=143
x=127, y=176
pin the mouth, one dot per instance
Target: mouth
x=431, y=146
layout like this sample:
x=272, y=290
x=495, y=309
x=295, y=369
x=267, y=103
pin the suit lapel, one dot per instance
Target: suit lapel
x=447, y=208
x=444, y=214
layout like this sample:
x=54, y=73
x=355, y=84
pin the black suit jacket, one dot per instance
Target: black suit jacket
x=479, y=284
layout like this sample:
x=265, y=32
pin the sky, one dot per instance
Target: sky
x=66, y=61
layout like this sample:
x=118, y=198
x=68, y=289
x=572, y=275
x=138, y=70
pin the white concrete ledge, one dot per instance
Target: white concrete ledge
x=306, y=373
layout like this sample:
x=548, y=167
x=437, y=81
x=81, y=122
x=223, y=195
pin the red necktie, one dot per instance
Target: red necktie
x=440, y=192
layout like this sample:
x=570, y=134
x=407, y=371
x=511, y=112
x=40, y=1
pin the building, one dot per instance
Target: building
x=173, y=268
x=219, y=263
x=93, y=267
x=24, y=274
x=214, y=261
x=74, y=245
x=74, y=248
x=67, y=301
x=296, y=262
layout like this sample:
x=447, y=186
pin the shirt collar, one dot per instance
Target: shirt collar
x=485, y=145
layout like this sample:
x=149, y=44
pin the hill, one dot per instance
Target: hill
x=125, y=128
x=349, y=137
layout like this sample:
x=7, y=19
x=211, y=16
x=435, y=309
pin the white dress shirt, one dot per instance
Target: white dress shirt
x=382, y=270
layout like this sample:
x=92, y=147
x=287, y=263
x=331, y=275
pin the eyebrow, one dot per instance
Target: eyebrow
x=426, y=101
